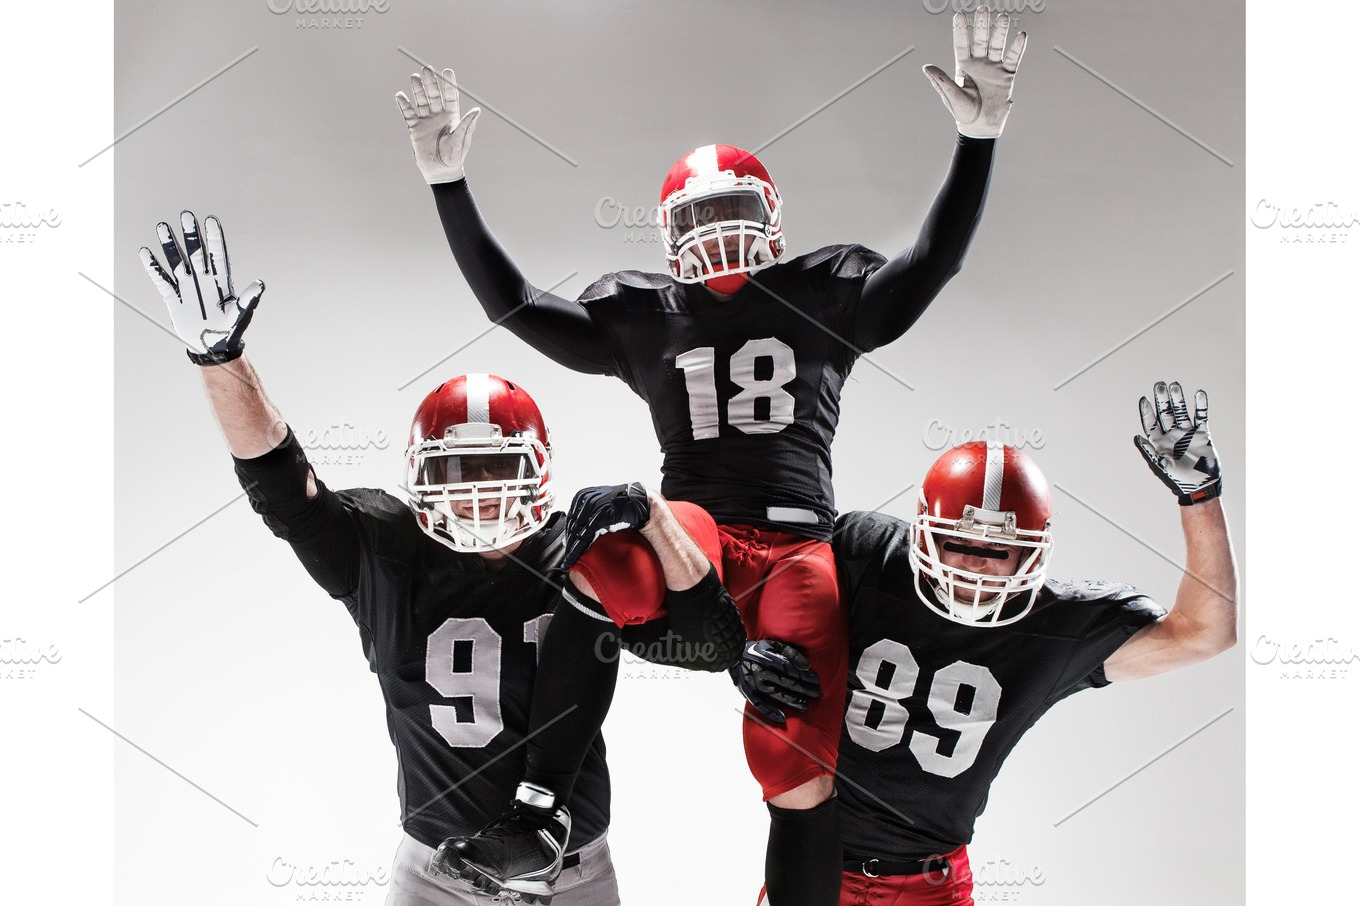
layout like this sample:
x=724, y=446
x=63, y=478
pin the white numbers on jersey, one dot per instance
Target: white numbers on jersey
x=703, y=392
x=463, y=661
x=893, y=722
x=971, y=720
x=701, y=385
x=534, y=629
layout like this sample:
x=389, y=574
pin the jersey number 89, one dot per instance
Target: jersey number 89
x=970, y=722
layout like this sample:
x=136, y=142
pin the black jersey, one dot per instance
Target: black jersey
x=455, y=648
x=934, y=706
x=745, y=392
x=453, y=643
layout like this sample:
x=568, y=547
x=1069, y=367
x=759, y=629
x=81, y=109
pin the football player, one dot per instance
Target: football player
x=959, y=642
x=741, y=355
x=451, y=588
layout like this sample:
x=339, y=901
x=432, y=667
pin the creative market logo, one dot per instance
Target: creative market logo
x=341, y=444
x=940, y=435
x=1319, y=223
x=656, y=659
x=21, y=659
x=1012, y=7
x=995, y=880
x=337, y=881
x=1002, y=881
x=1320, y=659
x=639, y=223
x=335, y=15
x=20, y=224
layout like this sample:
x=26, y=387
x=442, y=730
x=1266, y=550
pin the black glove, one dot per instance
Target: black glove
x=599, y=511
x=775, y=675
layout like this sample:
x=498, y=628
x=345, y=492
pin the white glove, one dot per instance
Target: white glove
x=204, y=309
x=979, y=94
x=1178, y=450
x=439, y=135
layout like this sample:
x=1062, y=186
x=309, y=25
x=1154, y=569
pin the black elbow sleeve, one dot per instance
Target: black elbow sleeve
x=276, y=486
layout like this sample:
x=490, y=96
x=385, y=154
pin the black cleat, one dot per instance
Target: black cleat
x=520, y=852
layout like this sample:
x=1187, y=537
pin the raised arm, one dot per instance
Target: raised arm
x=1203, y=622
x=271, y=465
x=979, y=98
x=559, y=328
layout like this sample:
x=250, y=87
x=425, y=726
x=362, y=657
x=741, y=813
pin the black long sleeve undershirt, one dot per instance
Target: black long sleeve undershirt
x=893, y=297
x=898, y=293
x=321, y=533
x=558, y=328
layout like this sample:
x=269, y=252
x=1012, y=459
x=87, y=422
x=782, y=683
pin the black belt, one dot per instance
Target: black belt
x=882, y=868
x=571, y=860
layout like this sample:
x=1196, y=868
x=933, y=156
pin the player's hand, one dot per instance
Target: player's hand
x=439, y=135
x=1176, y=446
x=196, y=286
x=446, y=860
x=979, y=94
x=774, y=675
x=598, y=511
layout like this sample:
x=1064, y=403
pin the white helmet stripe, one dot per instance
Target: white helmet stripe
x=704, y=161
x=478, y=399
x=991, y=482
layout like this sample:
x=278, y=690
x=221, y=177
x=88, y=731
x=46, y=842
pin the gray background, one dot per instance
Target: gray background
x=237, y=671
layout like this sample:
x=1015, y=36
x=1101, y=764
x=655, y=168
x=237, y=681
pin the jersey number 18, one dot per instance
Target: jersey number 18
x=743, y=409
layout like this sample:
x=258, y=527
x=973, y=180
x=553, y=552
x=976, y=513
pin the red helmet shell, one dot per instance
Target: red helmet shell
x=710, y=161
x=479, y=415
x=1013, y=483
x=996, y=494
x=479, y=399
x=701, y=249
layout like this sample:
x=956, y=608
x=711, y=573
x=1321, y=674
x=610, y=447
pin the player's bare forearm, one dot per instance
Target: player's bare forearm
x=250, y=423
x=194, y=278
x=1207, y=598
x=1204, y=620
x=682, y=561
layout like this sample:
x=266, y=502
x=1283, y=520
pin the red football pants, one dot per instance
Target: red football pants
x=785, y=587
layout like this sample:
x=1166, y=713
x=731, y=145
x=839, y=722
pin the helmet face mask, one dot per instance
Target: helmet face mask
x=947, y=529
x=975, y=597
x=719, y=217
x=473, y=487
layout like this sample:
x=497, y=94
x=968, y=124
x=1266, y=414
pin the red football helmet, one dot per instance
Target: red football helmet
x=720, y=218
x=479, y=466
x=986, y=500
